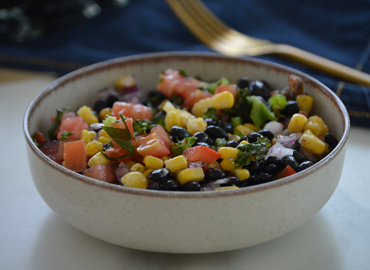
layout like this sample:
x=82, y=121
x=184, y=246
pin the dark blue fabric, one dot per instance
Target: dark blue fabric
x=338, y=30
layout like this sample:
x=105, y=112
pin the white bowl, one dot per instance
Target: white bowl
x=180, y=222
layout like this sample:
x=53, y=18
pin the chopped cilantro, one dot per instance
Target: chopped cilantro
x=33, y=137
x=212, y=86
x=176, y=100
x=142, y=126
x=54, y=125
x=238, y=133
x=159, y=118
x=211, y=113
x=180, y=147
x=65, y=135
x=160, y=80
x=257, y=149
x=183, y=73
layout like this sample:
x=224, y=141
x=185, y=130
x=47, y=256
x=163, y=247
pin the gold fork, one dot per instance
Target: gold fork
x=225, y=40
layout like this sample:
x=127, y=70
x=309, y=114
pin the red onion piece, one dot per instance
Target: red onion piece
x=288, y=141
x=285, y=132
x=277, y=150
x=121, y=170
x=275, y=127
x=197, y=164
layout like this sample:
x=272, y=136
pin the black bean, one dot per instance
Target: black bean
x=260, y=88
x=232, y=180
x=245, y=138
x=159, y=175
x=266, y=133
x=299, y=157
x=291, y=108
x=331, y=140
x=201, y=137
x=215, y=132
x=113, y=97
x=232, y=143
x=99, y=105
x=210, y=122
x=253, y=136
x=169, y=184
x=213, y=174
x=243, y=82
x=258, y=178
x=227, y=126
x=191, y=186
x=296, y=145
x=179, y=133
x=290, y=160
x=272, y=169
x=276, y=161
x=304, y=165
x=255, y=166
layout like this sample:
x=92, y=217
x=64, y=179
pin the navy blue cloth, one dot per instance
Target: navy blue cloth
x=338, y=30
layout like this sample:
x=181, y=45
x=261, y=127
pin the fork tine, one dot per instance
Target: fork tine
x=187, y=16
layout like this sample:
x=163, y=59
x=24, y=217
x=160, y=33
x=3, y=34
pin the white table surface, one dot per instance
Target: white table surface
x=32, y=236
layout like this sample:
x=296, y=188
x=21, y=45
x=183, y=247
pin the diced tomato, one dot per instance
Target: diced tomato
x=201, y=152
x=162, y=134
x=226, y=88
x=118, y=151
x=40, y=138
x=74, y=125
x=169, y=80
x=154, y=146
x=50, y=149
x=286, y=172
x=186, y=86
x=75, y=156
x=65, y=116
x=134, y=111
x=194, y=97
x=103, y=173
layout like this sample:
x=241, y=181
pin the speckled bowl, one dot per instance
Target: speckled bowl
x=180, y=222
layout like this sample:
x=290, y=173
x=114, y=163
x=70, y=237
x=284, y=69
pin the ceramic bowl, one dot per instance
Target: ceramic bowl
x=180, y=222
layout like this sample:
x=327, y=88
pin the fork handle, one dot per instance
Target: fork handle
x=320, y=63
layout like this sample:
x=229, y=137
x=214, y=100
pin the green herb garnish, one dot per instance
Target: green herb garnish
x=54, y=125
x=159, y=118
x=183, y=73
x=160, y=80
x=65, y=135
x=142, y=126
x=213, y=85
x=33, y=137
x=257, y=149
x=179, y=148
x=176, y=100
x=238, y=133
x=211, y=113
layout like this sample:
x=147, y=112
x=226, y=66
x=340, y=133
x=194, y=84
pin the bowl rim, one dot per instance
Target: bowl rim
x=182, y=194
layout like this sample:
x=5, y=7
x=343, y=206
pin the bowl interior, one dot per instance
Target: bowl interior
x=80, y=87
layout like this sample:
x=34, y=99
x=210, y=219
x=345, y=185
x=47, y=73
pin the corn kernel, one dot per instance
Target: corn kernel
x=103, y=140
x=134, y=180
x=242, y=174
x=103, y=133
x=176, y=163
x=317, y=126
x=305, y=103
x=244, y=130
x=125, y=81
x=309, y=141
x=228, y=164
x=87, y=136
x=147, y=172
x=243, y=142
x=195, y=125
x=98, y=159
x=223, y=100
x=212, y=165
x=137, y=167
x=189, y=175
x=228, y=152
x=104, y=113
x=201, y=107
x=87, y=115
x=226, y=188
x=251, y=126
x=153, y=162
x=165, y=158
x=297, y=123
x=171, y=119
x=93, y=147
